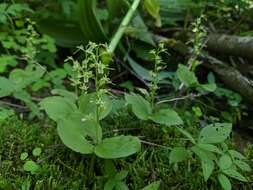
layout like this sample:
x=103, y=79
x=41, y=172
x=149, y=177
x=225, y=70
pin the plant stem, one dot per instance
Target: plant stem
x=121, y=30
x=91, y=168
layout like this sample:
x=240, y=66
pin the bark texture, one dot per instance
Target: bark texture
x=231, y=45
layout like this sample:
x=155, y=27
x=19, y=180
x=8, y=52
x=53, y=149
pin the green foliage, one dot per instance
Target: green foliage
x=212, y=151
x=78, y=121
x=152, y=186
x=153, y=8
x=31, y=166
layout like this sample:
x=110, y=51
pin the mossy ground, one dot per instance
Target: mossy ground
x=61, y=168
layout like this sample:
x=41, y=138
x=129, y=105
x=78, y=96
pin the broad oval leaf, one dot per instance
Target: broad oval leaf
x=140, y=106
x=225, y=162
x=225, y=182
x=167, y=117
x=118, y=147
x=216, y=133
x=73, y=132
x=30, y=166
x=178, y=154
x=57, y=107
x=186, y=76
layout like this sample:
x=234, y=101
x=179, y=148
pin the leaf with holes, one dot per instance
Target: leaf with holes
x=236, y=155
x=235, y=174
x=141, y=107
x=242, y=165
x=215, y=133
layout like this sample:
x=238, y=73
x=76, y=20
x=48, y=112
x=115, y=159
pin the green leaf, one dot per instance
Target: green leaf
x=167, y=117
x=186, y=76
x=6, y=87
x=145, y=73
x=153, y=8
x=56, y=28
x=121, y=186
x=206, y=162
x=30, y=166
x=57, y=107
x=23, y=156
x=178, y=154
x=153, y=186
x=5, y=113
x=7, y=60
x=186, y=134
x=66, y=94
x=242, y=165
x=89, y=22
x=236, y=155
x=139, y=30
x=225, y=182
x=121, y=175
x=118, y=147
x=235, y=174
x=210, y=147
x=110, y=184
x=37, y=151
x=87, y=105
x=141, y=107
x=208, y=87
x=22, y=78
x=215, y=133
x=116, y=8
x=73, y=132
x=225, y=162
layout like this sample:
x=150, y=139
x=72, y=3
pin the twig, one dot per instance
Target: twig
x=13, y=105
x=190, y=96
x=124, y=129
x=156, y=145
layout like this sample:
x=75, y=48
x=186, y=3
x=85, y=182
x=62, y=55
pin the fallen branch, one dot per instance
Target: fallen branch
x=229, y=75
x=231, y=45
